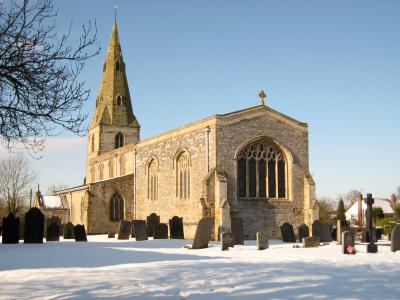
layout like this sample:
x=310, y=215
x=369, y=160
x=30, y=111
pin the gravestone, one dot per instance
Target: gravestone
x=378, y=233
x=125, y=228
x=10, y=230
x=152, y=220
x=139, y=227
x=203, y=234
x=34, y=226
x=53, y=232
x=341, y=227
x=237, y=230
x=325, y=234
x=176, y=228
x=226, y=240
x=160, y=231
x=395, y=242
x=334, y=233
x=53, y=219
x=287, y=233
x=366, y=235
x=21, y=228
x=80, y=233
x=69, y=231
x=316, y=228
x=311, y=242
x=111, y=235
x=347, y=240
x=303, y=232
x=262, y=240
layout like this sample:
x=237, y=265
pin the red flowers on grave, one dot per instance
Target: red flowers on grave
x=351, y=249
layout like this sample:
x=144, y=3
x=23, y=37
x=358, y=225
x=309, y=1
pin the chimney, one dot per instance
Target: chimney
x=360, y=211
x=393, y=201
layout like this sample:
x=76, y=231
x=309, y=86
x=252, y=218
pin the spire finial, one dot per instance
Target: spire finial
x=262, y=96
x=115, y=11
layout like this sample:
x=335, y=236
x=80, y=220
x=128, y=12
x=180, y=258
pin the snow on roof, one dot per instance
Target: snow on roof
x=382, y=203
x=54, y=202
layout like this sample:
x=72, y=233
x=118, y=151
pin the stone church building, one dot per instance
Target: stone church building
x=252, y=163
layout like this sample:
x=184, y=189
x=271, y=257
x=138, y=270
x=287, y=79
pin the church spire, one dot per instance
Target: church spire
x=113, y=101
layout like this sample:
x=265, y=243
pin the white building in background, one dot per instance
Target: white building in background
x=387, y=205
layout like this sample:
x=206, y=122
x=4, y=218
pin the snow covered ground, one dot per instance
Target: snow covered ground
x=151, y=269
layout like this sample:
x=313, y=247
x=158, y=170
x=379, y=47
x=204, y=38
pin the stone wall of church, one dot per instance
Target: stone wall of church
x=99, y=203
x=164, y=149
x=261, y=215
x=76, y=200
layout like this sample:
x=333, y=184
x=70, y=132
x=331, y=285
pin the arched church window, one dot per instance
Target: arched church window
x=116, y=208
x=261, y=171
x=183, y=176
x=152, y=180
x=101, y=172
x=92, y=174
x=119, y=100
x=110, y=168
x=122, y=166
x=119, y=140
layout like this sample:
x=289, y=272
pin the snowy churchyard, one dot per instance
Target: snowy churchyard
x=108, y=267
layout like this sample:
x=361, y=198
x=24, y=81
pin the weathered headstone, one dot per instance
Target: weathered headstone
x=311, y=241
x=287, y=233
x=341, y=227
x=316, y=228
x=111, y=235
x=21, y=228
x=34, y=226
x=371, y=247
x=203, y=234
x=303, y=232
x=80, y=233
x=152, y=220
x=160, y=231
x=10, y=229
x=139, y=226
x=325, y=234
x=378, y=233
x=176, y=228
x=53, y=232
x=69, y=231
x=237, y=230
x=262, y=240
x=395, y=242
x=226, y=240
x=53, y=219
x=334, y=233
x=347, y=242
x=125, y=228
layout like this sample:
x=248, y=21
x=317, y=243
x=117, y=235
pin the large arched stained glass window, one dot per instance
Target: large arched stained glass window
x=261, y=171
x=152, y=180
x=116, y=208
x=183, y=176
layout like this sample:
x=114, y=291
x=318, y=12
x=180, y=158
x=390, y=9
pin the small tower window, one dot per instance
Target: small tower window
x=119, y=100
x=119, y=140
x=92, y=144
x=104, y=67
x=117, y=65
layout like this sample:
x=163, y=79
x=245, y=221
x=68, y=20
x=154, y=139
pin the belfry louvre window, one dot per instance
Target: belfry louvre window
x=116, y=208
x=261, y=171
x=183, y=176
x=152, y=181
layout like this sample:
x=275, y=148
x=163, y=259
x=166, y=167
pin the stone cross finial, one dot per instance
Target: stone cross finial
x=262, y=96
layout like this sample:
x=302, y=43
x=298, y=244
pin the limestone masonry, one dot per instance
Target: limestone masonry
x=250, y=164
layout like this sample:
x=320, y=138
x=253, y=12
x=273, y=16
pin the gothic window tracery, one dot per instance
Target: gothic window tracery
x=119, y=140
x=101, y=172
x=116, y=208
x=92, y=174
x=261, y=171
x=183, y=176
x=152, y=180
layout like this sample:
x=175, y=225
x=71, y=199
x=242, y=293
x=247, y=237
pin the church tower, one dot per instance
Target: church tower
x=113, y=124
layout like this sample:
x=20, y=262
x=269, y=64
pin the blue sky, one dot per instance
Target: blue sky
x=332, y=64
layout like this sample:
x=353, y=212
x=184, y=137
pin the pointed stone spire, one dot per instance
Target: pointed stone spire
x=113, y=101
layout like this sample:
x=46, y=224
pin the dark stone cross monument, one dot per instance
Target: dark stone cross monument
x=10, y=230
x=34, y=226
x=371, y=247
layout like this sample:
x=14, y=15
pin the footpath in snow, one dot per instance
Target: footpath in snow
x=153, y=269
